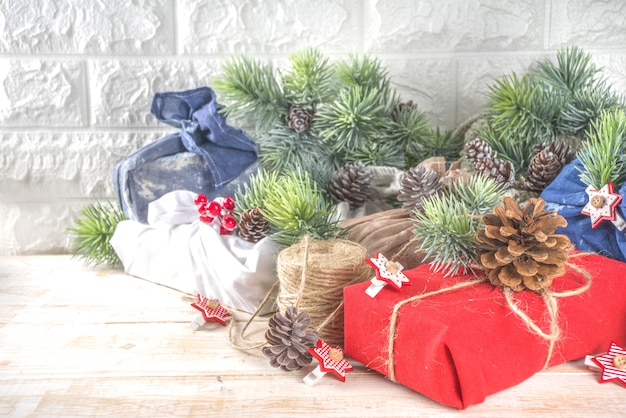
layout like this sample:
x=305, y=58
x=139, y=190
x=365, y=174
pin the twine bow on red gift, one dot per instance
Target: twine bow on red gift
x=602, y=206
x=219, y=209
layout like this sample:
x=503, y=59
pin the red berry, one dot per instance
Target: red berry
x=200, y=199
x=214, y=209
x=229, y=222
x=229, y=203
x=206, y=219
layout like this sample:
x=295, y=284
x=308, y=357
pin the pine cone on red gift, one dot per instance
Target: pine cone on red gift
x=476, y=150
x=416, y=184
x=289, y=340
x=253, y=226
x=519, y=248
x=299, y=118
x=546, y=164
x=501, y=171
x=352, y=183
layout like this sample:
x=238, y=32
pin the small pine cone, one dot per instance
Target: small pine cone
x=546, y=164
x=416, y=184
x=564, y=153
x=299, y=118
x=501, y=171
x=289, y=340
x=253, y=226
x=400, y=108
x=476, y=150
x=519, y=248
x=352, y=183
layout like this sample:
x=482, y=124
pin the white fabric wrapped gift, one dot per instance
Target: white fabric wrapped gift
x=176, y=250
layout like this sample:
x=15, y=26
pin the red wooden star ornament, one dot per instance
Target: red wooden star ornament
x=211, y=310
x=612, y=364
x=331, y=360
x=387, y=272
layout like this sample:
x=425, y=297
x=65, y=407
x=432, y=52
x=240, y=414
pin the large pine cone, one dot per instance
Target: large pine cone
x=519, y=248
x=289, y=340
x=476, y=150
x=501, y=171
x=352, y=183
x=299, y=118
x=546, y=164
x=253, y=226
x=416, y=184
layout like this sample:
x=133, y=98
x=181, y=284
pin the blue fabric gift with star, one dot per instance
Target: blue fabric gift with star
x=206, y=156
x=573, y=200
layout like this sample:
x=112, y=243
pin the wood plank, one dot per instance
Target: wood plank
x=77, y=341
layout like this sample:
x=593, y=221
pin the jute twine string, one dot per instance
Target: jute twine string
x=312, y=275
x=549, y=297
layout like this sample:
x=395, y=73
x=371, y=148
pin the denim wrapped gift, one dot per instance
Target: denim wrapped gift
x=207, y=156
x=567, y=195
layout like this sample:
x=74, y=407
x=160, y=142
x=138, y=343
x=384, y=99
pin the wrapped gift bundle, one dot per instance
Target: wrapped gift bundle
x=176, y=249
x=457, y=339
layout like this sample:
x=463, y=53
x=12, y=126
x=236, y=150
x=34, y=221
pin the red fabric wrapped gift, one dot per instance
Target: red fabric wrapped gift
x=459, y=346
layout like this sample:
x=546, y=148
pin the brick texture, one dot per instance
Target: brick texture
x=77, y=77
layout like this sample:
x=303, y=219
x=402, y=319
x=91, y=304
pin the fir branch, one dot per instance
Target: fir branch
x=435, y=144
x=521, y=108
x=294, y=208
x=408, y=125
x=254, y=192
x=310, y=81
x=251, y=92
x=92, y=233
x=351, y=120
x=516, y=149
x=602, y=155
x=572, y=73
x=386, y=154
x=366, y=72
x=447, y=233
x=478, y=195
x=283, y=150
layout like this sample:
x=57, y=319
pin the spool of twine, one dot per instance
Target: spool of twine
x=312, y=275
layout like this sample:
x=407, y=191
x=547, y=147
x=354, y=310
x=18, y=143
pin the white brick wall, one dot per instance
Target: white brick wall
x=77, y=77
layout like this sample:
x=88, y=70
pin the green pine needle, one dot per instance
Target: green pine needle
x=435, y=144
x=572, y=72
x=447, y=233
x=254, y=192
x=521, y=108
x=355, y=117
x=366, y=72
x=409, y=126
x=310, y=81
x=294, y=208
x=92, y=233
x=251, y=92
x=517, y=150
x=283, y=150
x=372, y=153
x=478, y=195
x=602, y=155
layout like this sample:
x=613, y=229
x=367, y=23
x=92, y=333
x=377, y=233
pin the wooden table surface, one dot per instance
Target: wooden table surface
x=79, y=341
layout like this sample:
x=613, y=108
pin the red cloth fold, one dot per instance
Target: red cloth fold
x=460, y=346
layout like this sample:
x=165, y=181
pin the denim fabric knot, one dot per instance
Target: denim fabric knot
x=226, y=151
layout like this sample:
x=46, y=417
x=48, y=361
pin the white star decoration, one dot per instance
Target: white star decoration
x=602, y=206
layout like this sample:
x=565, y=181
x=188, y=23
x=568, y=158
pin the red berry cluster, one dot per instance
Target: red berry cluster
x=221, y=209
